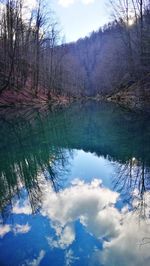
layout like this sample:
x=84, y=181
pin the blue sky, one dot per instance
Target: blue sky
x=80, y=17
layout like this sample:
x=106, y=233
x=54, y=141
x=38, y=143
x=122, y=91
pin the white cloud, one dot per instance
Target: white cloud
x=94, y=206
x=16, y=229
x=37, y=261
x=24, y=209
x=70, y=258
x=91, y=204
x=21, y=229
x=131, y=246
x=4, y=229
x=30, y=4
x=87, y=2
x=66, y=3
x=128, y=249
x=65, y=238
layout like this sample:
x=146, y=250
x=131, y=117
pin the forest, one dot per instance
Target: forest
x=36, y=63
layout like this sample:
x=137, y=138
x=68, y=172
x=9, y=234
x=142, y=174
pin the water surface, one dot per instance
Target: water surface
x=74, y=186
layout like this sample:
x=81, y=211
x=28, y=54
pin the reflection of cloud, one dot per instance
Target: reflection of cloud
x=127, y=248
x=66, y=3
x=90, y=203
x=65, y=238
x=24, y=209
x=4, y=229
x=37, y=261
x=21, y=229
x=17, y=229
x=94, y=206
x=70, y=258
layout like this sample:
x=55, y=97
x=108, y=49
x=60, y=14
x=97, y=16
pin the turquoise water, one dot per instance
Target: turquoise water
x=74, y=186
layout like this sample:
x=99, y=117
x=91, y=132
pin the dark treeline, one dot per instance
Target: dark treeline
x=31, y=55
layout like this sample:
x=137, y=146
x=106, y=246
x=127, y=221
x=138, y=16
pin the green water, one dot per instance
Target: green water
x=87, y=142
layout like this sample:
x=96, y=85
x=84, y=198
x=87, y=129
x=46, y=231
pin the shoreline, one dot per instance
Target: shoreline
x=131, y=98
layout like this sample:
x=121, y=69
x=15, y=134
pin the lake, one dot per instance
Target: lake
x=74, y=186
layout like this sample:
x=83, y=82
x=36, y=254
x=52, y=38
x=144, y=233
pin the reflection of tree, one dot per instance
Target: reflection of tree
x=133, y=182
x=30, y=154
x=38, y=140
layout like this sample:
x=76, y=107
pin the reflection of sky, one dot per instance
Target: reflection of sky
x=87, y=166
x=80, y=225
